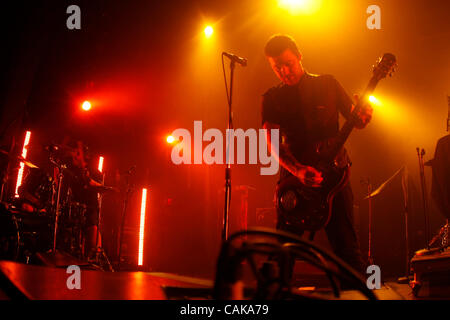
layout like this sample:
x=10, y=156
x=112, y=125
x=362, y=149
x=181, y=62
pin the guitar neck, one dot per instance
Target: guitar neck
x=350, y=123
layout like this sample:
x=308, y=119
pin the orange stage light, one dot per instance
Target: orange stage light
x=22, y=165
x=142, y=227
x=373, y=100
x=209, y=31
x=296, y=7
x=86, y=106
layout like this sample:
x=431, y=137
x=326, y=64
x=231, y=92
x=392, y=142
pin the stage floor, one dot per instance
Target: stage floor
x=21, y=281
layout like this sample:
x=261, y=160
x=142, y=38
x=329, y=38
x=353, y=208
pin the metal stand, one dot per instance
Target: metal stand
x=372, y=194
x=420, y=154
x=369, y=198
x=58, y=195
x=228, y=167
x=406, y=278
x=122, y=224
x=100, y=198
x=99, y=251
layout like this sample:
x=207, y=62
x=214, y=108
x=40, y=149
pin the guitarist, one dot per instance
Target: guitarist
x=305, y=108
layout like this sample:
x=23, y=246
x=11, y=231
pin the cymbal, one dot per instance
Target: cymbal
x=384, y=184
x=20, y=158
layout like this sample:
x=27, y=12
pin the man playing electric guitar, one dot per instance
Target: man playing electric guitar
x=305, y=108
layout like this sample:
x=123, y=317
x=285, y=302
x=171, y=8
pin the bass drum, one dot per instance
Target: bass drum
x=23, y=234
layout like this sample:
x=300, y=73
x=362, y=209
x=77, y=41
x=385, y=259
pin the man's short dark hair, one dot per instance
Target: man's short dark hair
x=278, y=43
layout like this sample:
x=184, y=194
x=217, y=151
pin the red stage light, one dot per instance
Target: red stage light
x=142, y=227
x=86, y=106
x=22, y=165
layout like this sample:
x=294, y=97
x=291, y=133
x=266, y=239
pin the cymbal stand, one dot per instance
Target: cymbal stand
x=124, y=211
x=369, y=197
x=99, y=251
x=58, y=195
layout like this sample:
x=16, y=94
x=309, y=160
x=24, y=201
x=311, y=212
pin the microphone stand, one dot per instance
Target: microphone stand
x=228, y=164
x=420, y=154
x=369, y=198
x=99, y=216
x=57, y=208
x=99, y=249
x=122, y=224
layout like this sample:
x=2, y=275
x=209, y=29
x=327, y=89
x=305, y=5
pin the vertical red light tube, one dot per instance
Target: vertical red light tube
x=22, y=165
x=142, y=227
x=100, y=164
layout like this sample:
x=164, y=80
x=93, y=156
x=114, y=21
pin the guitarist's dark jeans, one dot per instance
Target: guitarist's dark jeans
x=340, y=230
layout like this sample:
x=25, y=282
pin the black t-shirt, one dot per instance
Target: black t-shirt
x=308, y=111
x=440, y=188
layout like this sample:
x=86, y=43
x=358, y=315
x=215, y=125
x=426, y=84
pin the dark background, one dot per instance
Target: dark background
x=148, y=69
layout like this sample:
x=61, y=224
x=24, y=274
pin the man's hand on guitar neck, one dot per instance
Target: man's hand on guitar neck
x=364, y=115
x=309, y=176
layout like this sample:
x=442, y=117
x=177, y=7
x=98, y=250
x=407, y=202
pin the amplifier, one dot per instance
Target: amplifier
x=431, y=273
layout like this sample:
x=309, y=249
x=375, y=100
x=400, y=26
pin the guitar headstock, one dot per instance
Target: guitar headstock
x=385, y=66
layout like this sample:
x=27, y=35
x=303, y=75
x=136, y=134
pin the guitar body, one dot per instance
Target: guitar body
x=307, y=208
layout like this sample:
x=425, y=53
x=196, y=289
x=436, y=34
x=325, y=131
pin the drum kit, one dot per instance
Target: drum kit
x=45, y=216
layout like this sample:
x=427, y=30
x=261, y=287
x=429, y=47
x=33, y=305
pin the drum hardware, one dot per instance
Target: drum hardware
x=99, y=251
x=369, y=185
x=70, y=227
x=20, y=158
x=129, y=191
x=45, y=201
x=22, y=234
x=60, y=167
x=11, y=156
x=404, y=174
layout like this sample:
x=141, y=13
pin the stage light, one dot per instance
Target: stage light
x=374, y=101
x=22, y=165
x=142, y=227
x=209, y=31
x=296, y=7
x=100, y=164
x=86, y=106
x=170, y=139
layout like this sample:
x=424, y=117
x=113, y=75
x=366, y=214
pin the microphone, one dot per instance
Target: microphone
x=232, y=57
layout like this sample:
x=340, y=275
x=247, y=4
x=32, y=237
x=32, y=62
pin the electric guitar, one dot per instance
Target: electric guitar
x=308, y=208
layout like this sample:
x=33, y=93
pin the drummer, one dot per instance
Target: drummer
x=84, y=191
